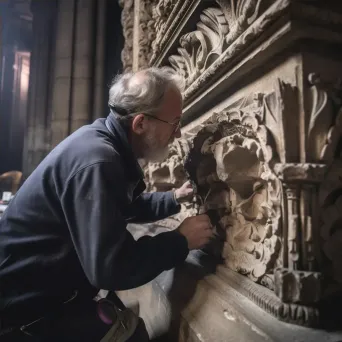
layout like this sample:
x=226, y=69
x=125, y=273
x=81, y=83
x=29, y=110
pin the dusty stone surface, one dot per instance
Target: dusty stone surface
x=261, y=144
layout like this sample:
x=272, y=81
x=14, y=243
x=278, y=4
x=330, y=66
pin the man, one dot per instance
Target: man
x=64, y=237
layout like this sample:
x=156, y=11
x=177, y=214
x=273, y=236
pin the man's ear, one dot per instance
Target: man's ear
x=139, y=124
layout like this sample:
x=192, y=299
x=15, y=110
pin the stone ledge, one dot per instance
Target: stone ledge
x=191, y=303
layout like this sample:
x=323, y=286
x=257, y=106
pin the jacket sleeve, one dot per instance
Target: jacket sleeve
x=109, y=255
x=149, y=207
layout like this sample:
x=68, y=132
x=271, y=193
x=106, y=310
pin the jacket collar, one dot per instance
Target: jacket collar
x=119, y=135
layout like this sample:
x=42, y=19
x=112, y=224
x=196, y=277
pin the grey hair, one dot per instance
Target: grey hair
x=127, y=96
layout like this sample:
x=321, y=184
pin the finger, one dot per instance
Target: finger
x=209, y=233
x=203, y=217
x=206, y=234
x=204, y=242
x=204, y=225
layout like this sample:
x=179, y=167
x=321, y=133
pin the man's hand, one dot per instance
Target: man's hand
x=184, y=192
x=197, y=230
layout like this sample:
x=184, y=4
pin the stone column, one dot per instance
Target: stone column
x=62, y=83
x=82, y=91
x=37, y=136
x=79, y=38
x=98, y=108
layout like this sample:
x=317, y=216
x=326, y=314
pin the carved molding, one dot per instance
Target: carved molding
x=268, y=301
x=305, y=172
x=221, y=34
x=127, y=21
x=147, y=32
x=166, y=15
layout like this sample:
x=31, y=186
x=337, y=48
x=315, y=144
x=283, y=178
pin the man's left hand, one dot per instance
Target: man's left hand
x=184, y=192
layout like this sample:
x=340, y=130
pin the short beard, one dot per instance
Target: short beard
x=152, y=151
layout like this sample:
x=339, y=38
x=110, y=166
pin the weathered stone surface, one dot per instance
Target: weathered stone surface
x=261, y=144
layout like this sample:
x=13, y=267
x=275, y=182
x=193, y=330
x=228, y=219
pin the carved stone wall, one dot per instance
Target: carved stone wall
x=261, y=141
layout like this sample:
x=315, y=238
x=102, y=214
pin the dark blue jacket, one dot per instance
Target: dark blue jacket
x=65, y=229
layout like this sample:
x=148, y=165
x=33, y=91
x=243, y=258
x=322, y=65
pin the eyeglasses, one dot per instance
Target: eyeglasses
x=176, y=124
x=120, y=111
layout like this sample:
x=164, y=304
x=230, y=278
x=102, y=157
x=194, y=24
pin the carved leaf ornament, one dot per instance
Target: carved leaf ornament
x=217, y=29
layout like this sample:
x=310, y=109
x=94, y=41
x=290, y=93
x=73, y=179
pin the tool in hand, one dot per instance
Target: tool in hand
x=199, y=205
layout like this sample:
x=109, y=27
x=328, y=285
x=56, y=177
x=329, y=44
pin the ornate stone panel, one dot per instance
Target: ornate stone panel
x=221, y=34
x=230, y=165
x=262, y=141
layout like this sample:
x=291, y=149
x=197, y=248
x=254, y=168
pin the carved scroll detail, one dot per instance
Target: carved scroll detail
x=221, y=34
x=325, y=126
x=202, y=47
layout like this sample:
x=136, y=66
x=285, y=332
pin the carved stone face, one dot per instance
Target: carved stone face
x=228, y=165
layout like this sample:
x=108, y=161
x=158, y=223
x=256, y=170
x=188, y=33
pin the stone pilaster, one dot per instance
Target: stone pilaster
x=79, y=59
x=299, y=280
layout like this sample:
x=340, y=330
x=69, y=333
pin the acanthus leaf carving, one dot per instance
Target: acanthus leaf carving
x=200, y=48
x=217, y=30
x=325, y=124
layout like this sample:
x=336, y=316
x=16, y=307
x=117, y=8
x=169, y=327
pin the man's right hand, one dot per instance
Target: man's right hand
x=197, y=230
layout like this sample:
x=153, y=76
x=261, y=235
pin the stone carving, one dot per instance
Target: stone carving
x=230, y=164
x=202, y=47
x=127, y=21
x=301, y=182
x=325, y=126
x=305, y=172
x=268, y=301
x=330, y=200
x=220, y=35
x=147, y=32
x=160, y=14
x=298, y=286
x=168, y=175
x=293, y=228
